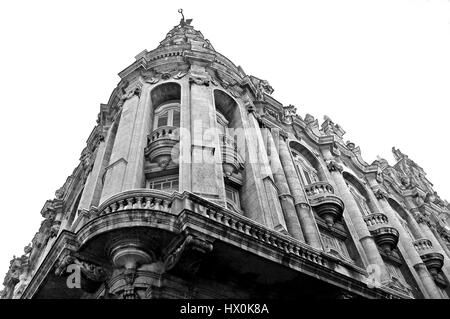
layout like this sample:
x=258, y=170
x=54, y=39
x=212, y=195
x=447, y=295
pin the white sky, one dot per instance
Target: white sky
x=380, y=69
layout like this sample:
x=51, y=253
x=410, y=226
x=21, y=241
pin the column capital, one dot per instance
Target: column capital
x=283, y=134
x=422, y=218
x=380, y=194
x=334, y=166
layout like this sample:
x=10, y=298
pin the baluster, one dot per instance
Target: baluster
x=138, y=203
x=166, y=205
x=157, y=204
x=129, y=203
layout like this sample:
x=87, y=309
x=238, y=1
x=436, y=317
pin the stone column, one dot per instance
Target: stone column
x=411, y=252
x=414, y=227
x=302, y=207
x=351, y=208
x=287, y=201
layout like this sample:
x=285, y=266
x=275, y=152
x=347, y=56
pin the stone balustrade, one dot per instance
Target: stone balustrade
x=318, y=189
x=423, y=245
x=136, y=199
x=146, y=199
x=376, y=220
x=163, y=132
x=267, y=236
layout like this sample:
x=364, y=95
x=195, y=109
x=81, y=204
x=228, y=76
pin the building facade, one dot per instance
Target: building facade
x=197, y=183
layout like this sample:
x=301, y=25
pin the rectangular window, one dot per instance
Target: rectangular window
x=232, y=195
x=168, y=183
x=308, y=179
x=395, y=271
x=335, y=244
x=176, y=118
x=162, y=120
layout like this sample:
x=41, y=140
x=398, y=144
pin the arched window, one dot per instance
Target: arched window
x=163, y=174
x=360, y=200
x=307, y=173
x=167, y=114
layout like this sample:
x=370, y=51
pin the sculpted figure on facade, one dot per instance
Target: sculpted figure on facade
x=289, y=112
x=330, y=128
x=262, y=87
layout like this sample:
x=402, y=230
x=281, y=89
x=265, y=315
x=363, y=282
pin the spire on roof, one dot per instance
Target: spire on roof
x=185, y=33
x=182, y=21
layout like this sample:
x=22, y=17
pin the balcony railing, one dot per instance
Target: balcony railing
x=160, y=145
x=432, y=259
x=137, y=199
x=385, y=236
x=423, y=246
x=327, y=205
x=376, y=220
x=164, y=132
x=318, y=189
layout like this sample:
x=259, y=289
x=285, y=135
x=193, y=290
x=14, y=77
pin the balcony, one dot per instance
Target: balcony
x=232, y=160
x=327, y=205
x=161, y=145
x=385, y=236
x=433, y=260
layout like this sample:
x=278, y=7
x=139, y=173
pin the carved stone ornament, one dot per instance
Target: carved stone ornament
x=92, y=272
x=422, y=218
x=330, y=128
x=283, y=134
x=188, y=254
x=350, y=145
x=262, y=87
x=334, y=166
x=179, y=75
x=271, y=113
x=380, y=194
x=151, y=80
x=288, y=113
x=309, y=119
x=136, y=91
x=199, y=79
x=249, y=106
x=61, y=265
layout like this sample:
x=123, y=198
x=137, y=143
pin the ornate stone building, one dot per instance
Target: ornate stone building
x=197, y=183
